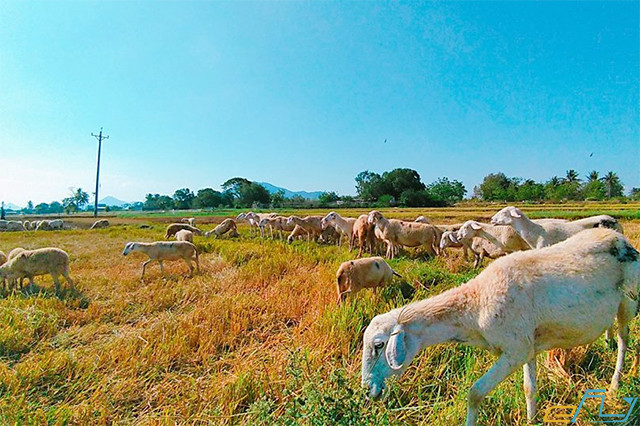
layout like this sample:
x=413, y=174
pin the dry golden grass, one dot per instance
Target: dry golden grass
x=256, y=337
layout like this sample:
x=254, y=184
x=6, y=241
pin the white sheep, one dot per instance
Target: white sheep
x=279, y=224
x=368, y=272
x=49, y=225
x=11, y=225
x=342, y=224
x=32, y=263
x=189, y=220
x=448, y=239
x=100, y=224
x=546, y=233
x=422, y=219
x=160, y=251
x=561, y=296
x=504, y=238
x=184, y=235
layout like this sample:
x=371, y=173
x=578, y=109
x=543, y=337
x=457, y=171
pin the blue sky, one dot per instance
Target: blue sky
x=303, y=94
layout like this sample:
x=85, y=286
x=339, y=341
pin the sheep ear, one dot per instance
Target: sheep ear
x=475, y=226
x=515, y=213
x=396, y=351
x=453, y=238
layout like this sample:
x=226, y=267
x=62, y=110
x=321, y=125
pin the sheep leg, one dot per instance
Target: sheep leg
x=197, y=262
x=161, y=267
x=144, y=266
x=66, y=276
x=188, y=262
x=505, y=365
x=623, y=336
x=31, y=283
x=529, y=370
x=56, y=281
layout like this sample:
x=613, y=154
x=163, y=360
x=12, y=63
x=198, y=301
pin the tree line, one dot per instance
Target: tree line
x=499, y=187
x=399, y=187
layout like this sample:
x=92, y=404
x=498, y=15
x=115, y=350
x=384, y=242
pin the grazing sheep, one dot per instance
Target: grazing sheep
x=503, y=239
x=227, y=225
x=448, y=239
x=189, y=220
x=255, y=218
x=396, y=233
x=49, y=225
x=311, y=224
x=160, y=251
x=13, y=253
x=100, y=224
x=27, y=225
x=31, y=263
x=297, y=232
x=422, y=219
x=184, y=235
x=175, y=227
x=368, y=272
x=11, y=225
x=330, y=235
x=561, y=296
x=278, y=223
x=547, y=233
x=363, y=232
x=343, y=225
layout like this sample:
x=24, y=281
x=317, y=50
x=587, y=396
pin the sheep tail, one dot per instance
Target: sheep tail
x=396, y=274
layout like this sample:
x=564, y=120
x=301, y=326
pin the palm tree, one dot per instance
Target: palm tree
x=554, y=181
x=571, y=177
x=611, y=180
x=593, y=176
x=81, y=198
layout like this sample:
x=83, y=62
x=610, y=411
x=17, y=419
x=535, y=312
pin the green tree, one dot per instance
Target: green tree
x=183, y=199
x=55, y=207
x=493, y=187
x=399, y=180
x=234, y=185
x=326, y=198
x=42, y=208
x=448, y=192
x=571, y=177
x=369, y=185
x=593, y=176
x=634, y=194
x=278, y=198
x=207, y=198
x=530, y=190
x=613, y=185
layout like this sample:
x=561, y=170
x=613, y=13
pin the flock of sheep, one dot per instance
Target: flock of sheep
x=560, y=284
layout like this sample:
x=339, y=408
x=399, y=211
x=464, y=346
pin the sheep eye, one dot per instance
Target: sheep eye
x=378, y=345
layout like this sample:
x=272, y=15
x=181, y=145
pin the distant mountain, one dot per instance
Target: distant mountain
x=11, y=206
x=112, y=201
x=288, y=193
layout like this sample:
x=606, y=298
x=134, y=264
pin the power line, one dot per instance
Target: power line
x=100, y=139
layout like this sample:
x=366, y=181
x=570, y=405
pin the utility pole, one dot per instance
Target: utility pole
x=100, y=139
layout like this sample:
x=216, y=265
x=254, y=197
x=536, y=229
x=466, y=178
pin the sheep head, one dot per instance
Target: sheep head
x=374, y=216
x=386, y=352
x=128, y=248
x=507, y=216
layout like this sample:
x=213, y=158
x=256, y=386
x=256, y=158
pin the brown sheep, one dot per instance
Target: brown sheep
x=175, y=227
x=311, y=224
x=369, y=272
x=363, y=234
x=31, y=263
x=227, y=225
x=396, y=233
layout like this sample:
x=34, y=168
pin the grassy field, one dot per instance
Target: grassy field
x=254, y=338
